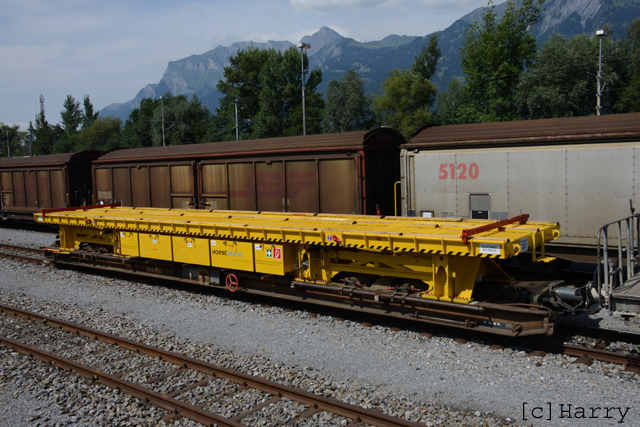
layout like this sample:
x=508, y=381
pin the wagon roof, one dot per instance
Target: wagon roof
x=545, y=131
x=380, y=137
x=48, y=159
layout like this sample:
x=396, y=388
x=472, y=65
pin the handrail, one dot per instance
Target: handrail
x=606, y=271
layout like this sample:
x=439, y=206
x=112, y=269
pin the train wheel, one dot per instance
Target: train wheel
x=232, y=282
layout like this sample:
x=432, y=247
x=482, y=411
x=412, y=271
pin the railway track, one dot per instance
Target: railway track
x=20, y=253
x=117, y=363
x=584, y=354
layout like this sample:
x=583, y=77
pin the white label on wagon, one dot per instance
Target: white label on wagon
x=214, y=243
x=524, y=244
x=258, y=247
x=122, y=234
x=486, y=248
x=189, y=244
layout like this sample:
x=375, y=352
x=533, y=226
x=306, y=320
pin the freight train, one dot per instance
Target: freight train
x=580, y=172
x=348, y=173
x=221, y=214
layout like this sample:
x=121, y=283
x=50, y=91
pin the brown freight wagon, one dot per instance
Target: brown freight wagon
x=30, y=184
x=352, y=172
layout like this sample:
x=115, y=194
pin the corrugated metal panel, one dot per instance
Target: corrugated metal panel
x=615, y=126
x=376, y=137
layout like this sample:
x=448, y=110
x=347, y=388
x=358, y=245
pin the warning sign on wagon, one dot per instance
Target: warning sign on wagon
x=487, y=248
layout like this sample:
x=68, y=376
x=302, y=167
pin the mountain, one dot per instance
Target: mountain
x=335, y=54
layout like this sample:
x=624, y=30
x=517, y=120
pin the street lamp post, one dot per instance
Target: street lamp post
x=303, y=46
x=162, y=102
x=600, y=34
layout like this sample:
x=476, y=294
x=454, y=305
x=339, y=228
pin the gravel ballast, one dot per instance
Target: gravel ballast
x=435, y=381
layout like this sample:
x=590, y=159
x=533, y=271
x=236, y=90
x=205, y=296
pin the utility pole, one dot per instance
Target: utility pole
x=30, y=141
x=235, y=101
x=8, y=147
x=303, y=46
x=600, y=34
x=162, y=101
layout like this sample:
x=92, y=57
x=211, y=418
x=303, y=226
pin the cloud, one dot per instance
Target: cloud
x=324, y=6
x=328, y=6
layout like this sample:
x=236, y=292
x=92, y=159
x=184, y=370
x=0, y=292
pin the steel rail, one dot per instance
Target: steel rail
x=281, y=391
x=6, y=252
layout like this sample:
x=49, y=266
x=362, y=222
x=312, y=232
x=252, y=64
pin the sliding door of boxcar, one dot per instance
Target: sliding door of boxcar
x=270, y=186
x=160, y=186
x=121, y=185
x=242, y=187
x=302, y=186
x=337, y=186
x=140, y=195
x=6, y=186
x=214, y=186
x=31, y=189
x=18, y=189
x=103, y=185
x=181, y=186
x=44, y=189
x=59, y=189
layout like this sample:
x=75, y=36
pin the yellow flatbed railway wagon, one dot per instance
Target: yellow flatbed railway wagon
x=435, y=264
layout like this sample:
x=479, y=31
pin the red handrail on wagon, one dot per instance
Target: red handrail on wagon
x=522, y=219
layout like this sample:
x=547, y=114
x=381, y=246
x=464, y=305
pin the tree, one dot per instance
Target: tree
x=12, y=141
x=425, y=63
x=71, y=115
x=405, y=101
x=347, y=108
x=185, y=122
x=137, y=128
x=88, y=116
x=43, y=133
x=241, y=82
x=452, y=105
x=267, y=86
x=493, y=56
x=408, y=95
x=629, y=100
x=103, y=134
x=562, y=81
x=280, y=97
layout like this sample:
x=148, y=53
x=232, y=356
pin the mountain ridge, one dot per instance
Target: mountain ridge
x=199, y=73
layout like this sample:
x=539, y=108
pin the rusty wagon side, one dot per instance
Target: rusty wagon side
x=351, y=172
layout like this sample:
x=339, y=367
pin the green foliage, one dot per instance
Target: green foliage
x=493, y=56
x=348, y=108
x=629, y=100
x=185, y=122
x=137, y=128
x=453, y=106
x=44, y=137
x=88, y=116
x=562, y=82
x=103, y=134
x=71, y=115
x=12, y=141
x=241, y=82
x=405, y=101
x=426, y=62
x=267, y=85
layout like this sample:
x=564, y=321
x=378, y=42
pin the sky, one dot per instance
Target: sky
x=110, y=50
